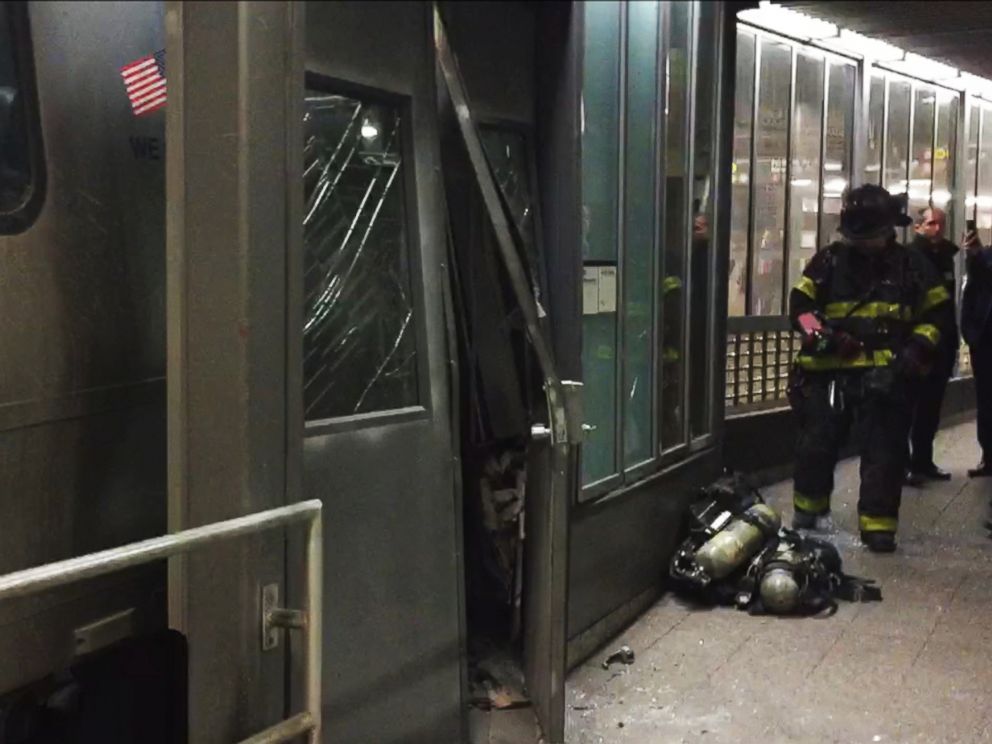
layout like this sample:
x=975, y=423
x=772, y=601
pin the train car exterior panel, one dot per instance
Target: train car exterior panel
x=82, y=424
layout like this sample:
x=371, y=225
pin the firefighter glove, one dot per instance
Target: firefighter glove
x=914, y=360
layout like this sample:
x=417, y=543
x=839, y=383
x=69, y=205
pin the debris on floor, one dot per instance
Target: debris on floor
x=737, y=553
x=623, y=655
x=496, y=680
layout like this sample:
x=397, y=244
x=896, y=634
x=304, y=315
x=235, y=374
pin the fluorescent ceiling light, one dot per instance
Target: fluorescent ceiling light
x=833, y=167
x=922, y=67
x=976, y=85
x=958, y=83
x=788, y=22
x=834, y=186
x=941, y=197
x=855, y=43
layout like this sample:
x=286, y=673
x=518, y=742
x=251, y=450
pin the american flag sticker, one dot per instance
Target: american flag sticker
x=144, y=80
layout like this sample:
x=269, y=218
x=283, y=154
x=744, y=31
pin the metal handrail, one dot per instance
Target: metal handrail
x=60, y=573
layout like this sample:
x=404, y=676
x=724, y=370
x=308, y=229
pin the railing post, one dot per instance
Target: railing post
x=315, y=623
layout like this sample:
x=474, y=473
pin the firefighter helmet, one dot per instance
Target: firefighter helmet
x=870, y=211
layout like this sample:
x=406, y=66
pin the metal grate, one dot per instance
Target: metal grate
x=759, y=354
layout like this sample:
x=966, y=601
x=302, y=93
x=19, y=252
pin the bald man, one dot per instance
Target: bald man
x=930, y=240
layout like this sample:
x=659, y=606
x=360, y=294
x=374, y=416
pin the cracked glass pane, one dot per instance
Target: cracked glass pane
x=359, y=340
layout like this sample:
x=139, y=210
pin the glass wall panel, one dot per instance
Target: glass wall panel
x=984, y=201
x=804, y=186
x=876, y=123
x=675, y=233
x=740, y=175
x=768, y=171
x=946, y=147
x=897, y=137
x=921, y=154
x=639, y=243
x=701, y=262
x=837, y=147
x=600, y=116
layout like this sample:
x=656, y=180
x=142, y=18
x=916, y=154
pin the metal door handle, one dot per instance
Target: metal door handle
x=540, y=431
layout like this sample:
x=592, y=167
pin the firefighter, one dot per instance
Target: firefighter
x=869, y=312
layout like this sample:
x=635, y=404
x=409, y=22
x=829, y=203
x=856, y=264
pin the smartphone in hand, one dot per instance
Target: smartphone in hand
x=971, y=242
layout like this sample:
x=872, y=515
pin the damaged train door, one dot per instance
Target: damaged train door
x=486, y=121
x=377, y=432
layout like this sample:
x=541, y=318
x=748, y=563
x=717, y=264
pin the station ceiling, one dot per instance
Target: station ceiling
x=956, y=33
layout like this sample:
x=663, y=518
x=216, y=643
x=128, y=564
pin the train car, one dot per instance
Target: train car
x=437, y=266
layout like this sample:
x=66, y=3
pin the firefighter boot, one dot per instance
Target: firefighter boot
x=879, y=542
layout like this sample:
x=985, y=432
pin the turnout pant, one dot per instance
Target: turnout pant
x=928, y=397
x=882, y=425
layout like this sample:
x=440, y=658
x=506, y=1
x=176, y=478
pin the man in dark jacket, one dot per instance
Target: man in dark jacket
x=976, y=307
x=929, y=392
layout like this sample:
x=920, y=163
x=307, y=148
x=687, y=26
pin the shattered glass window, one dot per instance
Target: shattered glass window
x=359, y=340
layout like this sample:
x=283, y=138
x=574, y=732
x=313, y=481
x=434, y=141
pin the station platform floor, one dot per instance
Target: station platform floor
x=916, y=667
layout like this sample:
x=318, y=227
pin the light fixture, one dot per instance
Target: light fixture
x=802, y=182
x=369, y=130
x=940, y=197
x=863, y=46
x=922, y=67
x=789, y=22
x=832, y=167
x=834, y=187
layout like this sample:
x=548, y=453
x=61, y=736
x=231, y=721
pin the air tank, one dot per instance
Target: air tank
x=728, y=549
x=779, y=589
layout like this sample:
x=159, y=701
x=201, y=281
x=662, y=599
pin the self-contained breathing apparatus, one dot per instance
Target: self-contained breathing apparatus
x=737, y=553
x=869, y=213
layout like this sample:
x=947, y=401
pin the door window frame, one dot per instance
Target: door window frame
x=402, y=103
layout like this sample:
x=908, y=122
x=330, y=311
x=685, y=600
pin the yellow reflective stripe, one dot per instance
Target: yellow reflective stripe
x=934, y=297
x=880, y=358
x=670, y=283
x=810, y=504
x=929, y=332
x=878, y=524
x=835, y=310
x=807, y=286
